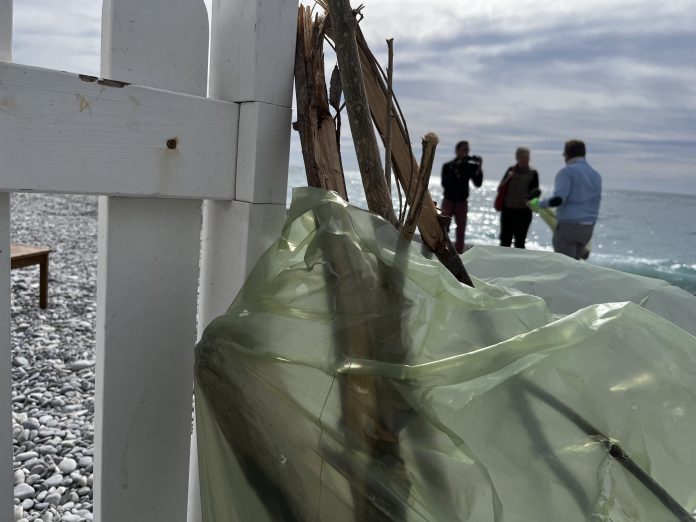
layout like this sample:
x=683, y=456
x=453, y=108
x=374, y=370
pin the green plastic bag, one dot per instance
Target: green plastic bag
x=353, y=378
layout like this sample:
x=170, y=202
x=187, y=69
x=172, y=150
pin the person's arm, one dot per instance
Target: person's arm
x=477, y=176
x=561, y=190
x=506, y=176
x=534, y=183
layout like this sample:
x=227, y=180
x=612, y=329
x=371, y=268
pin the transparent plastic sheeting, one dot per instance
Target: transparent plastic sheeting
x=354, y=379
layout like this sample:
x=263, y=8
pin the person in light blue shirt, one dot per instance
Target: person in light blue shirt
x=576, y=195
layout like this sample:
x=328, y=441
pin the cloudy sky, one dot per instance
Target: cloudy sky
x=619, y=74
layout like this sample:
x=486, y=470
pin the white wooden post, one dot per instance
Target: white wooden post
x=147, y=282
x=6, y=21
x=6, y=482
x=252, y=62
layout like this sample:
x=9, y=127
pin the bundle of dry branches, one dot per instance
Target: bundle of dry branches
x=367, y=404
x=367, y=89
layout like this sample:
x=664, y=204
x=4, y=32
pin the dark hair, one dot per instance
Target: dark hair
x=522, y=150
x=460, y=145
x=574, y=149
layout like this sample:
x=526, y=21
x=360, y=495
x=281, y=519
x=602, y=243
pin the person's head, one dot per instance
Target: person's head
x=462, y=149
x=522, y=155
x=573, y=149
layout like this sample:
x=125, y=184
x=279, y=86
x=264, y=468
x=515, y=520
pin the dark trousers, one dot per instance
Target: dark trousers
x=572, y=239
x=514, y=223
x=459, y=210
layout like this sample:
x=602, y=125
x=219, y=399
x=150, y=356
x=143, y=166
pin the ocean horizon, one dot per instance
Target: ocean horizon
x=651, y=234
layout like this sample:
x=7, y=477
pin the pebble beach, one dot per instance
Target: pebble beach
x=53, y=360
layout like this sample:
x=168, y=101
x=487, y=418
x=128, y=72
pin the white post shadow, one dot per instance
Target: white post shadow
x=147, y=282
x=6, y=475
x=252, y=62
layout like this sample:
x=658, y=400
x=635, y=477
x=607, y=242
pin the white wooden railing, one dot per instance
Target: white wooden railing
x=193, y=191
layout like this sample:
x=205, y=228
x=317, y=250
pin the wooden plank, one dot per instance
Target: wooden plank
x=251, y=58
x=147, y=282
x=263, y=152
x=26, y=251
x=6, y=476
x=71, y=134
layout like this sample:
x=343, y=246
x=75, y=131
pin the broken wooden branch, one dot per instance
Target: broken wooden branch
x=319, y=135
x=430, y=142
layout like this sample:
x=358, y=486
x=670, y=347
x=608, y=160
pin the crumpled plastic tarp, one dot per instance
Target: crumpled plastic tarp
x=353, y=378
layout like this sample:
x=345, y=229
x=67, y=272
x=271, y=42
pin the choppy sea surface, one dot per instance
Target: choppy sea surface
x=649, y=234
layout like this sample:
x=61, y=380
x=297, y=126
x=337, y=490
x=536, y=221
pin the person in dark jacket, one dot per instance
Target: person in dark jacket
x=515, y=216
x=456, y=176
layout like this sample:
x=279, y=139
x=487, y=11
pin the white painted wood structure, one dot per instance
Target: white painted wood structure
x=193, y=190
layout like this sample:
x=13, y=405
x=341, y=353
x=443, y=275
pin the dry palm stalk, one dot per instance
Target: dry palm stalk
x=405, y=165
x=318, y=133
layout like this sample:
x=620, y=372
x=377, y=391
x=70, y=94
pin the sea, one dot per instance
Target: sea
x=646, y=233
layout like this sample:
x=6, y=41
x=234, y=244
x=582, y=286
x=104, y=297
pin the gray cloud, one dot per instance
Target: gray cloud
x=624, y=82
x=501, y=73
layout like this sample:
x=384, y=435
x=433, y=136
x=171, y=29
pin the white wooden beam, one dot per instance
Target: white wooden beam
x=6, y=476
x=147, y=282
x=252, y=57
x=63, y=132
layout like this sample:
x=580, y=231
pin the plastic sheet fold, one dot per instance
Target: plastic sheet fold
x=353, y=378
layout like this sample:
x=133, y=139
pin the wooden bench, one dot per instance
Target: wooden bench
x=25, y=255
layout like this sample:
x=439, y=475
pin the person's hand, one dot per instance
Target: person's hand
x=533, y=204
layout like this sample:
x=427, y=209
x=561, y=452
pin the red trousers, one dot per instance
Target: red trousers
x=459, y=210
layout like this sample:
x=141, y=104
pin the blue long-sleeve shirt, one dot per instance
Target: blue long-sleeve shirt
x=580, y=188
